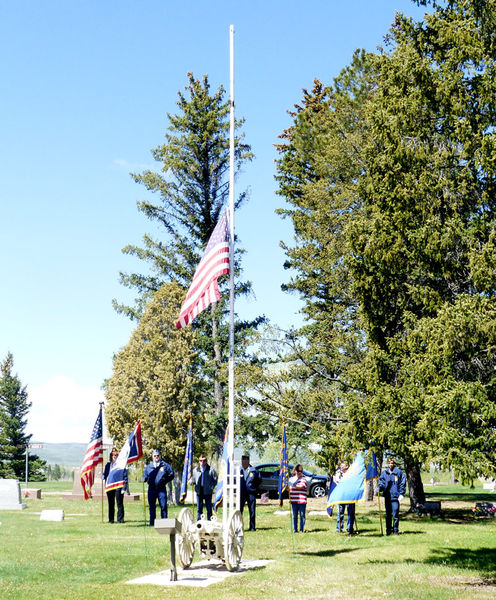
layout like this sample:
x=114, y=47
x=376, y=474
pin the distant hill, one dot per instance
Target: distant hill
x=65, y=455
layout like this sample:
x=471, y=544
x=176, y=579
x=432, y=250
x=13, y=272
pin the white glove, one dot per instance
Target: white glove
x=400, y=498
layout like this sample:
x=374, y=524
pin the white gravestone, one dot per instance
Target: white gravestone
x=52, y=515
x=10, y=495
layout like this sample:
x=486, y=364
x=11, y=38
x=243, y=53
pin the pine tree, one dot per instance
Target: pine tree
x=395, y=241
x=14, y=407
x=193, y=190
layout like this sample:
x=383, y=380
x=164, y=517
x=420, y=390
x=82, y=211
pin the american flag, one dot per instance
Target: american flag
x=93, y=456
x=204, y=288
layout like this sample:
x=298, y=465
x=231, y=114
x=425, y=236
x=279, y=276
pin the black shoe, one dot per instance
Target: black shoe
x=252, y=529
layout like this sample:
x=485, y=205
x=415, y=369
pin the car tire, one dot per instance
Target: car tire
x=318, y=491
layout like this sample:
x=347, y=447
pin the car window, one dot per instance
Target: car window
x=268, y=471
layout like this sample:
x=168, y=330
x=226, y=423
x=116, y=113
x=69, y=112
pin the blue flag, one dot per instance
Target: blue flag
x=131, y=452
x=351, y=487
x=188, y=466
x=223, y=471
x=283, y=468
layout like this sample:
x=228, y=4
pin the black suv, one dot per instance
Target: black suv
x=269, y=473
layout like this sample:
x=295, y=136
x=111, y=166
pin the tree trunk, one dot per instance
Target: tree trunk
x=369, y=491
x=415, y=485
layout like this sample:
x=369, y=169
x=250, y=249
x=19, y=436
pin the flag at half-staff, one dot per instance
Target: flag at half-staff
x=188, y=466
x=93, y=457
x=283, y=468
x=204, y=288
x=131, y=452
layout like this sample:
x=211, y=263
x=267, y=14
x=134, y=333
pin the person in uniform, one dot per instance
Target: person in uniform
x=205, y=480
x=115, y=496
x=350, y=507
x=250, y=480
x=392, y=485
x=157, y=474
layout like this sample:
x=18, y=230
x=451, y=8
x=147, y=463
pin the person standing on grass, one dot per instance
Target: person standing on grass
x=116, y=495
x=392, y=485
x=157, y=474
x=205, y=480
x=298, y=497
x=340, y=474
x=249, y=482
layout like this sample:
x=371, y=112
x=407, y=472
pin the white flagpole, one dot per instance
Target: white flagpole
x=231, y=254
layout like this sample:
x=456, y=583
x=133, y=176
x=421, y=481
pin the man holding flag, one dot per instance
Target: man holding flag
x=114, y=495
x=157, y=474
x=351, y=487
x=205, y=478
x=116, y=475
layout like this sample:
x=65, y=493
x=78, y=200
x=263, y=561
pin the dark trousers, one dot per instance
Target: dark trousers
x=392, y=515
x=114, y=496
x=202, y=498
x=340, y=518
x=298, y=509
x=251, y=500
x=153, y=496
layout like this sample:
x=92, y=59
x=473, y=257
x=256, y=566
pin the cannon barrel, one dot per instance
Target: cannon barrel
x=208, y=528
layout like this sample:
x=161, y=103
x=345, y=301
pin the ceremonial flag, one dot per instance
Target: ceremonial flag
x=283, y=468
x=204, y=288
x=188, y=466
x=93, y=457
x=223, y=471
x=130, y=453
x=350, y=488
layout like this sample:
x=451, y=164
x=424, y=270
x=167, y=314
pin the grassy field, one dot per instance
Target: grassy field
x=83, y=558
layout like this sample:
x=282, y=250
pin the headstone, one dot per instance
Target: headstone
x=52, y=515
x=33, y=493
x=10, y=495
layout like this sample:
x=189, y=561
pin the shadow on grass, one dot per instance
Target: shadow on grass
x=462, y=496
x=480, y=559
x=327, y=553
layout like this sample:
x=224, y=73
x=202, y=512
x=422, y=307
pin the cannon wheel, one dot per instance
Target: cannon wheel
x=235, y=541
x=185, y=541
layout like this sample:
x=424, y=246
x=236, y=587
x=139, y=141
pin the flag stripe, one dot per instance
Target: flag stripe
x=93, y=457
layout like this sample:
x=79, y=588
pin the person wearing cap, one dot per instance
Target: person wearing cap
x=205, y=480
x=157, y=474
x=115, y=496
x=392, y=485
x=250, y=480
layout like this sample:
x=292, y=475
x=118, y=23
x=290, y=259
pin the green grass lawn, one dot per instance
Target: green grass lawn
x=83, y=558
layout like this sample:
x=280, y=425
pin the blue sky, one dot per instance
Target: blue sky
x=86, y=86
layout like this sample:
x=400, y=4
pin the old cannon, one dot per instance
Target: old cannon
x=223, y=540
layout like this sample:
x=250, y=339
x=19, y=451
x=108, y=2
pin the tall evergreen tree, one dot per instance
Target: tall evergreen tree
x=14, y=407
x=193, y=187
x=395, y=231
x=152, y=381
